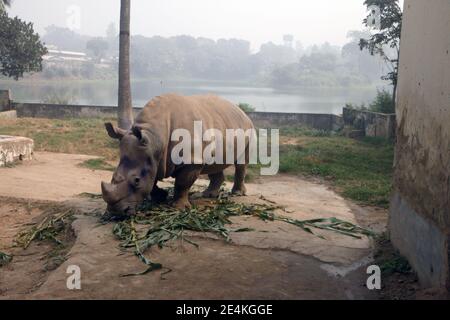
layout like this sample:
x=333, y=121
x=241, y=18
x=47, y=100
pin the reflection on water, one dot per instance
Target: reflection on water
x=305, y=100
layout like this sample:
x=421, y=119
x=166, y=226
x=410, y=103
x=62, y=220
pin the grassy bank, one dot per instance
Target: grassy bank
x=360, y=170
x=64, y=136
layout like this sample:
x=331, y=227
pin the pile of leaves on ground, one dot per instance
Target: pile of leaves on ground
x=158, y=224
x=161, y=223
x=54, y=223
x=53, y=227
x=55, y=219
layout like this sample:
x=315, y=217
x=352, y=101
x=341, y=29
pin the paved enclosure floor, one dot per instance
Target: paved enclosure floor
x=275, y=261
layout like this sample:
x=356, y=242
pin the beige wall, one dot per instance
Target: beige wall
x=422, y=160
x=423, y=154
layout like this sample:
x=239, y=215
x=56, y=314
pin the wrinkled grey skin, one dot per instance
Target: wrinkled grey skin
x=145, y=152
x=135, y=176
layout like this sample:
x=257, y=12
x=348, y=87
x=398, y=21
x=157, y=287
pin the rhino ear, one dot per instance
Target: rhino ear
x=141, y=135
x=114, y=132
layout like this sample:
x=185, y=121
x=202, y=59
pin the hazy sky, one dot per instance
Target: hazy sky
x=259, y=21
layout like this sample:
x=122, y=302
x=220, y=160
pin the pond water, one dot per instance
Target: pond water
x=303, y=100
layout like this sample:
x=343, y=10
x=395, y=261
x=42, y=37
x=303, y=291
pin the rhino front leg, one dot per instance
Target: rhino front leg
x=184, y=180
x=239, y=180
x=158, y=195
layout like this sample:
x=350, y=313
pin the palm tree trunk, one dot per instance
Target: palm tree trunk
x=125, y=110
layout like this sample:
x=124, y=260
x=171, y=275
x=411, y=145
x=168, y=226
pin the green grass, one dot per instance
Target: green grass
x=82, y=136
x=360, y=170
x=389, y=259
x=97, y=164
x=307, y=132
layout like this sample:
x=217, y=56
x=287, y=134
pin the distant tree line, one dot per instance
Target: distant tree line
x=329, y=66
x=232, y=59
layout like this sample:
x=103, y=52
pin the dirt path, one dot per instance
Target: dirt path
x=50, y=176
x=275, y=261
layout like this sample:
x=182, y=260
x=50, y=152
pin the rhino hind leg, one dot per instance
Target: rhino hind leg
x=184, y=180
x=215, y=183
x=239, y=180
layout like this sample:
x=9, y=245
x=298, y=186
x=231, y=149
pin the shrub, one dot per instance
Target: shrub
x=383, y=103
x=246, y=107
x=356, y=107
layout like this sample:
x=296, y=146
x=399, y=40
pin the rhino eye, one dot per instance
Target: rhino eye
x=144, y=173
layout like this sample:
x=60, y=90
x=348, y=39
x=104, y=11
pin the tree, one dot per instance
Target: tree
x=65, y=39
x=21, y=50
x=318, y=61
x=3, y=4
x=98, y=47
x=383, y=103
x=111, y=31
x=272, y=56
x=125, y=110
x=387, y=37
x=361, y=62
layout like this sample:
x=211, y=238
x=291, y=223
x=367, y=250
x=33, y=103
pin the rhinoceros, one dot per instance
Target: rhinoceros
x=146, y=149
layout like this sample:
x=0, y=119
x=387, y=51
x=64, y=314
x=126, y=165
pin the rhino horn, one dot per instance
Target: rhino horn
x=109, y=192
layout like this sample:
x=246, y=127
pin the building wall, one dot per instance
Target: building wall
x=372, y=124
x=420, y=210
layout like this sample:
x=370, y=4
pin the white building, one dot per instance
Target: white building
x=65, y=56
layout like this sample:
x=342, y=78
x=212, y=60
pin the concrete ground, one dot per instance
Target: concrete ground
x=275, y=261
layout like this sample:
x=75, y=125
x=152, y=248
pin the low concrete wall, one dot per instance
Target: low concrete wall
x=326, y=122
x=372, y=124
x=62, y=111
x=5, y=100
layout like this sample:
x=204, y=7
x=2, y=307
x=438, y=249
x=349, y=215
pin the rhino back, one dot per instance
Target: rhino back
x=166, y=113
x=175, y=111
